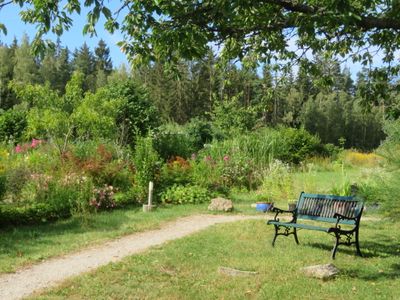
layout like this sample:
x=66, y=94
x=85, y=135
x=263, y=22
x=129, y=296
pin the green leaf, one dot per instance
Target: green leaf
x=106, y=12
x=3, y=28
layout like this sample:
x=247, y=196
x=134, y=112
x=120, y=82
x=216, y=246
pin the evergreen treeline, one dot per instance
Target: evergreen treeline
x=229, y=95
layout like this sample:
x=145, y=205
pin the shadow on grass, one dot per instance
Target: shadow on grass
x=385, y=248
x=393, y=272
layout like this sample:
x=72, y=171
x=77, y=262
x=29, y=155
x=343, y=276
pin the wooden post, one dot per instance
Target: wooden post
x=148, y=207
x=151, y=186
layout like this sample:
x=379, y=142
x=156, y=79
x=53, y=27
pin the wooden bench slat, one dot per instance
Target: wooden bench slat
x=323, y=219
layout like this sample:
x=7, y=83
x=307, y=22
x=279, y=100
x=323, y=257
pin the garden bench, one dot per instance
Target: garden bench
x=343, y=212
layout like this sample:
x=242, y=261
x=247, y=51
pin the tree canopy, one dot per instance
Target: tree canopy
x=260, y=30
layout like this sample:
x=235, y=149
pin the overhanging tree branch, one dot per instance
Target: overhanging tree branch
x=365, y=22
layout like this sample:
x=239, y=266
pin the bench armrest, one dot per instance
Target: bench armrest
x=278, y=211
x=342, y=217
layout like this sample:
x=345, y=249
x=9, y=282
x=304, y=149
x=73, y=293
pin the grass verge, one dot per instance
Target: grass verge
x=187, y=268
x=24, y=245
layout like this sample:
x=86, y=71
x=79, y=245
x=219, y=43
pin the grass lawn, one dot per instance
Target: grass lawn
x=187, y=268
x=24, y=245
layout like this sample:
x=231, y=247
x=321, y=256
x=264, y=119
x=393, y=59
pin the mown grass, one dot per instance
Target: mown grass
x=24, y=245
x=187, y=268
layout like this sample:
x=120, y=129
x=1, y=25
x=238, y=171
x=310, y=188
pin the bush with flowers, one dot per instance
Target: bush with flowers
x=103, y=198
x=176, y=170
x=38, y=183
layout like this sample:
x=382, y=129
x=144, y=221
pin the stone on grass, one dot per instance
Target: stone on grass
x=221, y=204
x=235, y=272
x=324, y=272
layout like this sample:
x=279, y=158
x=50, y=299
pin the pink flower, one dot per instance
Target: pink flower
x=226, y=158
x=35, y=143
x=208, y=158
x=18, y=149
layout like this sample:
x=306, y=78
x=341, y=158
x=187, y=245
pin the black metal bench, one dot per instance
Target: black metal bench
x=343, y=212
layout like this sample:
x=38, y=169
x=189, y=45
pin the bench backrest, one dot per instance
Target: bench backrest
x=323, y=207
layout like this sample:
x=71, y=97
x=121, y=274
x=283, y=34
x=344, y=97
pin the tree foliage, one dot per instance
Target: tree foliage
x=224, y=95
x=167, y=30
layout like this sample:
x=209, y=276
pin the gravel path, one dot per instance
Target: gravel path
x=53, y=271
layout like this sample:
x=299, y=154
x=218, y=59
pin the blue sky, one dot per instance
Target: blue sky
x=74, y=38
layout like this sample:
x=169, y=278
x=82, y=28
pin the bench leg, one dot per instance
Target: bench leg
x=276, y=235
x=358, y=245
x=286, y=233
x=337, y=235
x=295, y=236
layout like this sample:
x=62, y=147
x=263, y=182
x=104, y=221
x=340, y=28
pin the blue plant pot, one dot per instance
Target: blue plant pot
x=264, y=206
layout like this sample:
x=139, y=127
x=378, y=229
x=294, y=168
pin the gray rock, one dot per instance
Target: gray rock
x=324, y=272
x=221, y=204
x=235, y=272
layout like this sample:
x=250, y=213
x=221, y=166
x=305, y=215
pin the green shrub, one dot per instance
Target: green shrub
x=176, y=171
x=31, y=214
x=3, y=185
x=206, y=173
x=343, y=189
x=147, y=165
x=172, y=140
x=12, y=125
x=179, y=194
x=237, y=171
x=231, y=117
x=52, y=199
x=44, y=158
x=123, y=199
x=331, y=150
x=297, y=145
x=277, y=181
x=386, y=186
x=200, y=131
x=17, y=177
x=136, y=116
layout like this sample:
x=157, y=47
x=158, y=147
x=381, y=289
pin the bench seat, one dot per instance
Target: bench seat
x=300, y=226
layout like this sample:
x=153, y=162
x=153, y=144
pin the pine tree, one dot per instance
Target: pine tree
x=48, y=68
x=119, y=74
x=7, y=98
x=103, y=63
x=25, y=65
x=347, y=82
x=203, y=85
x=102, y=58
x=84, y=62
x=304, y=83
x=63, y=68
